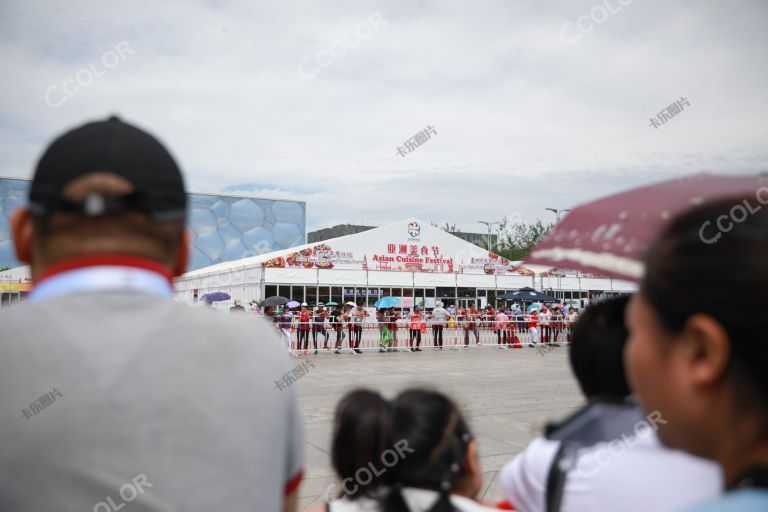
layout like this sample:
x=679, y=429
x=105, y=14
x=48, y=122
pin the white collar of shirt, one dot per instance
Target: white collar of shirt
x=102, y=278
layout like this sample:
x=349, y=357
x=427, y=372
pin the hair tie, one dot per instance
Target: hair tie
x=445, y=485
x=455, y=468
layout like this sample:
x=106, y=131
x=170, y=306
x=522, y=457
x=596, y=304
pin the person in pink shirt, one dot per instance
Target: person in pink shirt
x=500, y=325
x=415, y=320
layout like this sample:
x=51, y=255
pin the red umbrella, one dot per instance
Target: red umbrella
x=609, y=236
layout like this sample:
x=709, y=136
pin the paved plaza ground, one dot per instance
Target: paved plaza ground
x=507, y=396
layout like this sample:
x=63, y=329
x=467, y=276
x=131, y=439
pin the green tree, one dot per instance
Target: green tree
x=516, y=239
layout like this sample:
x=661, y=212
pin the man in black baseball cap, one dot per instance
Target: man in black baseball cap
x=105, y=188
x=121, y=395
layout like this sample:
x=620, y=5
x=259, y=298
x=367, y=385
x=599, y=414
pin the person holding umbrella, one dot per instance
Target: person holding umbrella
x=384, y=332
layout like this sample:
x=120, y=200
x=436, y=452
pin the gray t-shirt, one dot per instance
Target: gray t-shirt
x=439, y=316
x=111, y=398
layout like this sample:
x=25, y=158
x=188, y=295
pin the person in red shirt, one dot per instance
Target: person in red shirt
x=318, y=326
x=414, y=320
x=305, y=317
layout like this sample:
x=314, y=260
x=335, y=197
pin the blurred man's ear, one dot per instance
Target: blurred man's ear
x=23, y=229
x=182, y=257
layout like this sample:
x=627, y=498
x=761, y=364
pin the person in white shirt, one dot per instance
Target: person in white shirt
x=635, y=473
x=545, y=319
x=439, y=318
x=573, y=315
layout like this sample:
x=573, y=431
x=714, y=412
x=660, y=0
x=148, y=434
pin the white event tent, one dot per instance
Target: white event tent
x=410, y=259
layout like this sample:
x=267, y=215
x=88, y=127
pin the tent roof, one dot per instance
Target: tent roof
x=375, y=242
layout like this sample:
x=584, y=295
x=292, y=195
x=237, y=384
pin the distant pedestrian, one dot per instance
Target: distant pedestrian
x=469, y=324
x=318, y=325
x=500, y=325
x=439, y=319
x=358, y=316
x=286, y=323
x=414, y=322
x=533, y=327
x=305, y=320
x=337, y=323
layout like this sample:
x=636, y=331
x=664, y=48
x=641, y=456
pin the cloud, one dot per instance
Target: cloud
x=523, y=120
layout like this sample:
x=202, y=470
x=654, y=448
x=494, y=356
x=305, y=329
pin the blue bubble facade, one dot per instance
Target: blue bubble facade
x=224, y=228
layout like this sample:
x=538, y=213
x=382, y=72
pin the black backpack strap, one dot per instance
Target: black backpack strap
x=327, y=506
x=556, y=479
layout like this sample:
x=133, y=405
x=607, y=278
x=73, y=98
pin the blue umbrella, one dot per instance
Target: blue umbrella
x=215, y=297
x=293, y=304
x=386, y=302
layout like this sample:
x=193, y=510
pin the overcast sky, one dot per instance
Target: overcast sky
x=311, y=99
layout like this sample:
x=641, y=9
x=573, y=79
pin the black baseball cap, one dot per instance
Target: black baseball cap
x=116, y=147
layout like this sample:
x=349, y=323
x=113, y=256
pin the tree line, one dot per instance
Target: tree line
x=514, y=239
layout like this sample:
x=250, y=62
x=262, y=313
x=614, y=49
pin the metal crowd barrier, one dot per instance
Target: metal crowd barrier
x=456, y=334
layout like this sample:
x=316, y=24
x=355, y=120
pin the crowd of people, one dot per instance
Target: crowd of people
x=549, y=325
x=138, y=402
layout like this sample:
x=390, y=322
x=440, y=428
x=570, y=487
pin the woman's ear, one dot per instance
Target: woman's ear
x=707, y=350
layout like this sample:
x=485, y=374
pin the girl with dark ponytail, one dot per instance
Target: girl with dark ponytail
x=415, y=454
x=439, y=471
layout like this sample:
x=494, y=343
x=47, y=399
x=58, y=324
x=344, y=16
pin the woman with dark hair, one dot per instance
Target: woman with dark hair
x=361, y=434
x=439, y=469
x=413, y=455
x=697, y=352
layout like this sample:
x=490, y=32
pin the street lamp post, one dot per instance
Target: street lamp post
x=557, y=211
x=490, y=225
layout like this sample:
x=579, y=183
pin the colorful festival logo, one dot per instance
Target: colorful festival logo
x=414, y=230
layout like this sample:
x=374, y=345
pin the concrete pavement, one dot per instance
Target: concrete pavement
x=506, y=395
